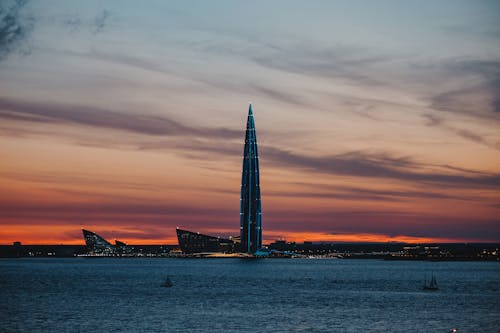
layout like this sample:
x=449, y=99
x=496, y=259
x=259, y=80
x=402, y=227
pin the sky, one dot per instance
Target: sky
x=376, y=120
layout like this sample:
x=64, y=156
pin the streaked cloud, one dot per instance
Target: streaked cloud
x=14, y=27
x=103, y=118
x=101, y=21
x=481, y=97
x=337, y=191
x=437, y=121
x=380, y=166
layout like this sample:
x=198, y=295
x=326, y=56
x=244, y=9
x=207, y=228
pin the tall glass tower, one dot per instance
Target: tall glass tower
x=250, y=204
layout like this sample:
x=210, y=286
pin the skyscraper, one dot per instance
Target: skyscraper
x=250, y=203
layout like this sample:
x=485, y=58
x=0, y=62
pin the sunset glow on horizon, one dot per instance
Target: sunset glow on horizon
x=129, y=120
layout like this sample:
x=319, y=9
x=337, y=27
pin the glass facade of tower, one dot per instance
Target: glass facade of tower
x=250, y=203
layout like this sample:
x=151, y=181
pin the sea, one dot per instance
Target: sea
x=246, y=295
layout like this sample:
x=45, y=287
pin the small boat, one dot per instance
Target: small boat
x=168, y=283
x=432, y=285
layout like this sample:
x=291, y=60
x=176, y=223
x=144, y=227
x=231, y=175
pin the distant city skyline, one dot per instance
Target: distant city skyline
x=378, y=121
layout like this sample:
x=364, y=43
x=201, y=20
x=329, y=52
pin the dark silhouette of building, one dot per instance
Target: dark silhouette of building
x=250, y=202
x=96, y=244
x=194, y=242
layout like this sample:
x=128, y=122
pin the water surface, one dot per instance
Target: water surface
x=229, y=295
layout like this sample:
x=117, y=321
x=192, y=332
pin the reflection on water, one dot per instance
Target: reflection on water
x=228, y=295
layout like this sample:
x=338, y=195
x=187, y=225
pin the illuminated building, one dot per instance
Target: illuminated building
x=250, y=203
x=97, y=245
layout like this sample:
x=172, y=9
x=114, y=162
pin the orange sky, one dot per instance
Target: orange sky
x=130, y=133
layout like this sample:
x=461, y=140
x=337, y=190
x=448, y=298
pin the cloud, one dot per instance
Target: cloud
x=350, y=164
x=279, y=95
x=392, y=223
x=80, y=180
x=350, y=63
x=102, y=118
x=101, y=21
x=357, y=193
x=194, y=148
x=14, y=28
x=356, y=164
x=75, y=21
x=480, y=98
x=435, y=121
x=476, y=93
x=338, y=195
x=340, y=61
x=118, y=209
x=401, y=78
x=360, y=164
x=123, y=59
x=124, y=215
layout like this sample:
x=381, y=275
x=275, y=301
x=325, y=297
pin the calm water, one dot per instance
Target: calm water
x=235, y=295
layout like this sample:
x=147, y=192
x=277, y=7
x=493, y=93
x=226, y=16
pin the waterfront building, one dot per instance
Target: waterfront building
x=250, y=202
x=194, y=242
x=96, y=244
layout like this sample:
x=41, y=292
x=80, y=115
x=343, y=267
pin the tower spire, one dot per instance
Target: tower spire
x=250, y=203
